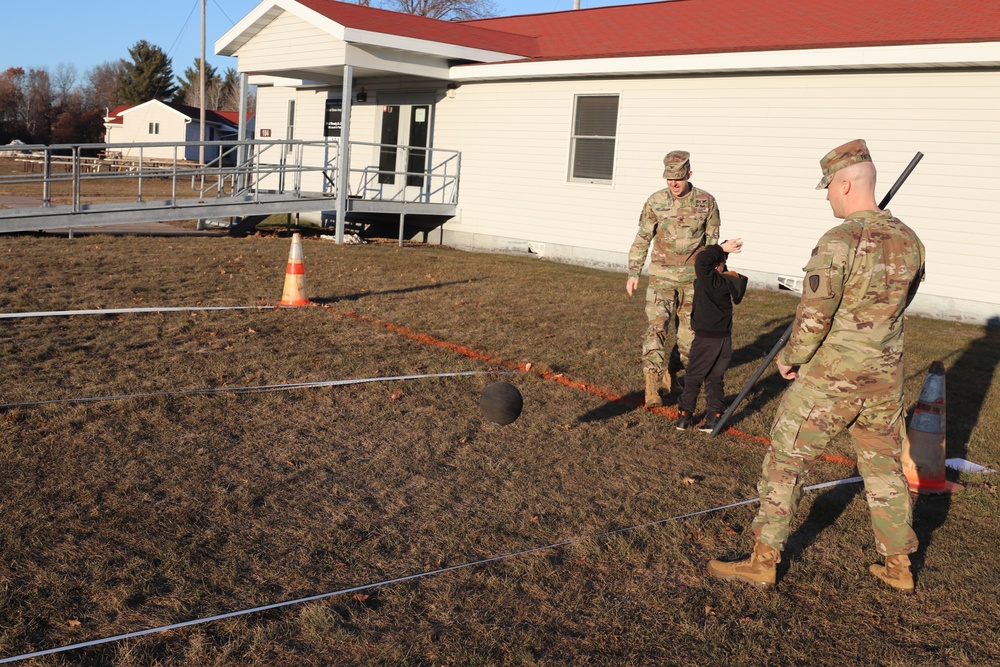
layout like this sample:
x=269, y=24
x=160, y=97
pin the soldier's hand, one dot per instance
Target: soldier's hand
x=631, y=285
x=786, y=371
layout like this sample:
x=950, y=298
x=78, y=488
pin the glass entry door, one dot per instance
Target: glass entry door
x=405, y=136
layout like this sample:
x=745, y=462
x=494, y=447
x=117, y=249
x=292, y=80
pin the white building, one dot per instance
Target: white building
x=562, y=119
x=167, y=122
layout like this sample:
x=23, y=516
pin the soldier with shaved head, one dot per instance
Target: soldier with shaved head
x=847, y=342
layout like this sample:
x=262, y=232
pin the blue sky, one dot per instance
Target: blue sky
x=45, y=33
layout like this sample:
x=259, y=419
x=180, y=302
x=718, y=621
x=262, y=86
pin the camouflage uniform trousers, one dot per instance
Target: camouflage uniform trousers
x=667, y=300
x=807, y=419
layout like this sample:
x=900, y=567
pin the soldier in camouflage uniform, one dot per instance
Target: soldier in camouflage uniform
x=847, y=341
x=678, y=221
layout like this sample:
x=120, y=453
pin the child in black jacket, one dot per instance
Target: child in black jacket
x=715, y=292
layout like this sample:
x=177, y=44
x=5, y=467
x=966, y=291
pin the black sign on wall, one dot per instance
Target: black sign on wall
x=334, y=116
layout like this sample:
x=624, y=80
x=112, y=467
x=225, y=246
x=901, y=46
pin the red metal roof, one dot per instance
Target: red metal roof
x=115, y=114
x=718, y=26
x=419, y=27
x=677, y=27
x=233, y=116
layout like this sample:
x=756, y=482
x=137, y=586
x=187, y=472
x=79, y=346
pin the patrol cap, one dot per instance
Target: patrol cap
x=850, y=153
x=677, y=165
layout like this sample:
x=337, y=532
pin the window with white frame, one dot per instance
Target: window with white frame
x=154, y=128
x=595, y=125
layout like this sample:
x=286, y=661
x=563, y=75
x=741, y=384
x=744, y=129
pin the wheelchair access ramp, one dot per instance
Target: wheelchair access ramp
x=78, y=186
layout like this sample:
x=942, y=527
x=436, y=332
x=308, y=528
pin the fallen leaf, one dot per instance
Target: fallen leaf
x=396, y=394
x=359, y=597
x=527, y=366
x=74, y=623
x=688, y=481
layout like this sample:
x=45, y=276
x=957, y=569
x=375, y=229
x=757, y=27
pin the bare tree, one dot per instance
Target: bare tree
x=11, y=101
x=63, y=81
x=78, y=121
x=102, y=85
x=36, y=105
x=448, y=10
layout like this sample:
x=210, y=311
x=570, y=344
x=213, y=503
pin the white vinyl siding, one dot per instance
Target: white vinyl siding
x=755, y=143
x=310, y=110
x=138, y=124
x=288, y=42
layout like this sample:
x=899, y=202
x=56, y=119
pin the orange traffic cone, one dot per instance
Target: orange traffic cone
x=923, y=447
x=294, y=292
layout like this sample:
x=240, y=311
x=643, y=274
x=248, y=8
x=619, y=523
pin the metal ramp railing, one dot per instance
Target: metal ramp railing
x=436, y=184
x=80, y=185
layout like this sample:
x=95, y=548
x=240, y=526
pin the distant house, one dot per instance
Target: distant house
x=158, y=121
x=562, y=118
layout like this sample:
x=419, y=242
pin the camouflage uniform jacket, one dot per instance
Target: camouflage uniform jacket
x=677, y=227
x=848, y=330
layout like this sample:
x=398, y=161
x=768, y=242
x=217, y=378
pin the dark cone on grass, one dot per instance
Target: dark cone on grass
x=501, y=403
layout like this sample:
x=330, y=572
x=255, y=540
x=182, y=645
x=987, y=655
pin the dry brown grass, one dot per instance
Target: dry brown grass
x=96, y=188
x=123, y=515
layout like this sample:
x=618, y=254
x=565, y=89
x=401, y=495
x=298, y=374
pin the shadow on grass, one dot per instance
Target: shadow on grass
x=623, y=406
x=968, y=381
x=823, y=513
x=770, y=384
x=326, y=300
x=754, y=352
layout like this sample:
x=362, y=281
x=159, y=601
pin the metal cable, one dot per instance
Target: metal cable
x=411, y=577
x=119, y=311
x=244, y=390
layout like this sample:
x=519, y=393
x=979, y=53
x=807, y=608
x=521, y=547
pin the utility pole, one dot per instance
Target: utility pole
x=201, y=109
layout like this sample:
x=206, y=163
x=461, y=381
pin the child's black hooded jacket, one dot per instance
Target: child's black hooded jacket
x=714, y=294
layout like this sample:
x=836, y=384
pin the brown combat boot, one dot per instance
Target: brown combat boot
x=653, y=399
x=671, y=383
x=895, y=572
x=759, y=570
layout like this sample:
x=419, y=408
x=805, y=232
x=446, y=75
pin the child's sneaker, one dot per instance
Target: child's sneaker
x=711, y=420
x=683, y=420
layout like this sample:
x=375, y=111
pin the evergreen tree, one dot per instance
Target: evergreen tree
x=150, y=75
x=189, y=90
x=229, y=90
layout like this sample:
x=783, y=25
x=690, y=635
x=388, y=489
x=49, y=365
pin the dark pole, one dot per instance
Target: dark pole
x=788, y=332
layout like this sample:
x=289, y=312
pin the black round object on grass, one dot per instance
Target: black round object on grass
x=501, y=403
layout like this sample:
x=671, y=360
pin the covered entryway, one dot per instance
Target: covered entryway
x=383, y=73
x=406, y=132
